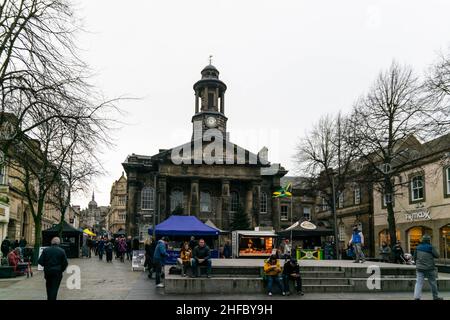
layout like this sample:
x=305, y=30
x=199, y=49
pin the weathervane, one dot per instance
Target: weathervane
x=210, y=59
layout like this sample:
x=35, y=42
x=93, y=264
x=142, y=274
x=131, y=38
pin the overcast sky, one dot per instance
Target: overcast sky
x=285, y=63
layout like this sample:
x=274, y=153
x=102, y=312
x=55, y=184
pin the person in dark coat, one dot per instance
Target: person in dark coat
x=101, y=248
x=425, y=267
x=16, y=244
x=5, y=247
x=201, y=256
x=151, y=253
x=54, y=261
x=291, y=272
x=227, y=250
x=193, y=243
x=109, y=247
x=398, y=253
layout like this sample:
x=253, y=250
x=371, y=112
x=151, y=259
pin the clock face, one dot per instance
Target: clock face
x=211, y=122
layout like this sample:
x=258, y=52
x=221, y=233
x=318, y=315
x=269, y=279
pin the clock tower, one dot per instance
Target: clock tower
x=210, y=102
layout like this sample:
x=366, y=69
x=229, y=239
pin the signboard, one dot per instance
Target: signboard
x=234, y=244
x=418, y=215
x=308, y=225
x=41, y=249
x=138, y=260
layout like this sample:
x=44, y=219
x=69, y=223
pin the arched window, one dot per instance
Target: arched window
x=147, y=198
x=234, y=201
x=176, y=199
x=205, y=202
x=263, y=202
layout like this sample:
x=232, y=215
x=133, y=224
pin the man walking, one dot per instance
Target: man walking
x=5, y=247
x=357, y=241
x=54, y=261
x=424, y=256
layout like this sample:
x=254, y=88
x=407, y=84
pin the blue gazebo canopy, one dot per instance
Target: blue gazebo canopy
x=183, y=226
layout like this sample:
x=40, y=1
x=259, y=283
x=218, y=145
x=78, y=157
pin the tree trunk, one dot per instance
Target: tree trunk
x=391, y=216
x=61, y=226
x=37, y=238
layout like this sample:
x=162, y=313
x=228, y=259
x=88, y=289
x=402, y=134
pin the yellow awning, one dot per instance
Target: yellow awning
x=89, y=232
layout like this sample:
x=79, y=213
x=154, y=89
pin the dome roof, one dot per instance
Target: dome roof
x=210, y=72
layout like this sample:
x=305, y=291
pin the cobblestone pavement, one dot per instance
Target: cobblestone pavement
x=116, y=281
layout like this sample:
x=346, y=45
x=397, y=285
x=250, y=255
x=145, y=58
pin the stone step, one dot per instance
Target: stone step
x=232, y=285
x=326, y=281
x=322, y=274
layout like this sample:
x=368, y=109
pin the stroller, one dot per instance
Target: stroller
x=407, y=258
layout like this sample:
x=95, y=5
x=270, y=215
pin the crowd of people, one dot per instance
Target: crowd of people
x=121, y=247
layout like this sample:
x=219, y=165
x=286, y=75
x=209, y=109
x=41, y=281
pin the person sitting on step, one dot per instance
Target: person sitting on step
x=201, y=257
x=184, y=261
x=272, y=270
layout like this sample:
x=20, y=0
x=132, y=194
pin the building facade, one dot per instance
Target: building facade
x=422, y=202
x=94, y=217
x=116, y=217
x=209, y=176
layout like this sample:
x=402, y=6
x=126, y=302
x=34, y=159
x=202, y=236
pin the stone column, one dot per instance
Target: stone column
x=256, y=186
x=249, y=204
x=131, y=225
x=162, y=199
x=195, y=198
x=222, y=103
x=226, y=198
x=196, y=102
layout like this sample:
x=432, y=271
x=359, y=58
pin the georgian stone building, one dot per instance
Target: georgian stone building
x=115, y=220
x=209, y=176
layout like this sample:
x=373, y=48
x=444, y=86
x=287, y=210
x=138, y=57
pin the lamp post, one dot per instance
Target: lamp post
x=155, y=206
x=336, y=239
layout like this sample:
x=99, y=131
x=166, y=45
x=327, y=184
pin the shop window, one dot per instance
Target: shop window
x=147, y=198
x=234, y=201
x=263, y=202
x=447, y=181
x=357, y=196
x=284, y=212
x=445, y=241
x=341, y=200
x=417, y=188
x=384, y=236
x=415, y=235
x=342, y=232
x=205, y=202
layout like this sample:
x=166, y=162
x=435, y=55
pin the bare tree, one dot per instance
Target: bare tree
x=326, y=156
x=385, y=124
x=437, y=85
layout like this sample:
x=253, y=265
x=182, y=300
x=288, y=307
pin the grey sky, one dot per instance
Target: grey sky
x=285, y=63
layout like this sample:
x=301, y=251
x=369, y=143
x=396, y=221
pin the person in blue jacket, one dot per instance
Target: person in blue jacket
x=357, y=241
x=159, y=258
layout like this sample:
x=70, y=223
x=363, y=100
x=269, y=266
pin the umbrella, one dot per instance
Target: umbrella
x=89, y=232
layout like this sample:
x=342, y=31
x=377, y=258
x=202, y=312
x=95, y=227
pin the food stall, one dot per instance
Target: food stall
x=252, y=243
x=307, y=238
x=179, y=229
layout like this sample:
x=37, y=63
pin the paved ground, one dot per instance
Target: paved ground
x=116, y=281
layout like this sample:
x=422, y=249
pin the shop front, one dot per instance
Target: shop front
x=252, y=244
x=412, y=226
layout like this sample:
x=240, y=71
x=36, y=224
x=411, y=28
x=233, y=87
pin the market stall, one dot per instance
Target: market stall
x=252, y=243
x=309, y=239
x=70, y=239
x=179, y=229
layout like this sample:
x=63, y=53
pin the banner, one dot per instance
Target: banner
x=41, y=268
x=138, y=260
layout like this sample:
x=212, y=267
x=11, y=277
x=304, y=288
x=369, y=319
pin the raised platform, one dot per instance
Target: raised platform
x=245, y=276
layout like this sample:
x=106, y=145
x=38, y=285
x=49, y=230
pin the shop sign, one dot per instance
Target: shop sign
x=308, y=225
x=418, y=215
